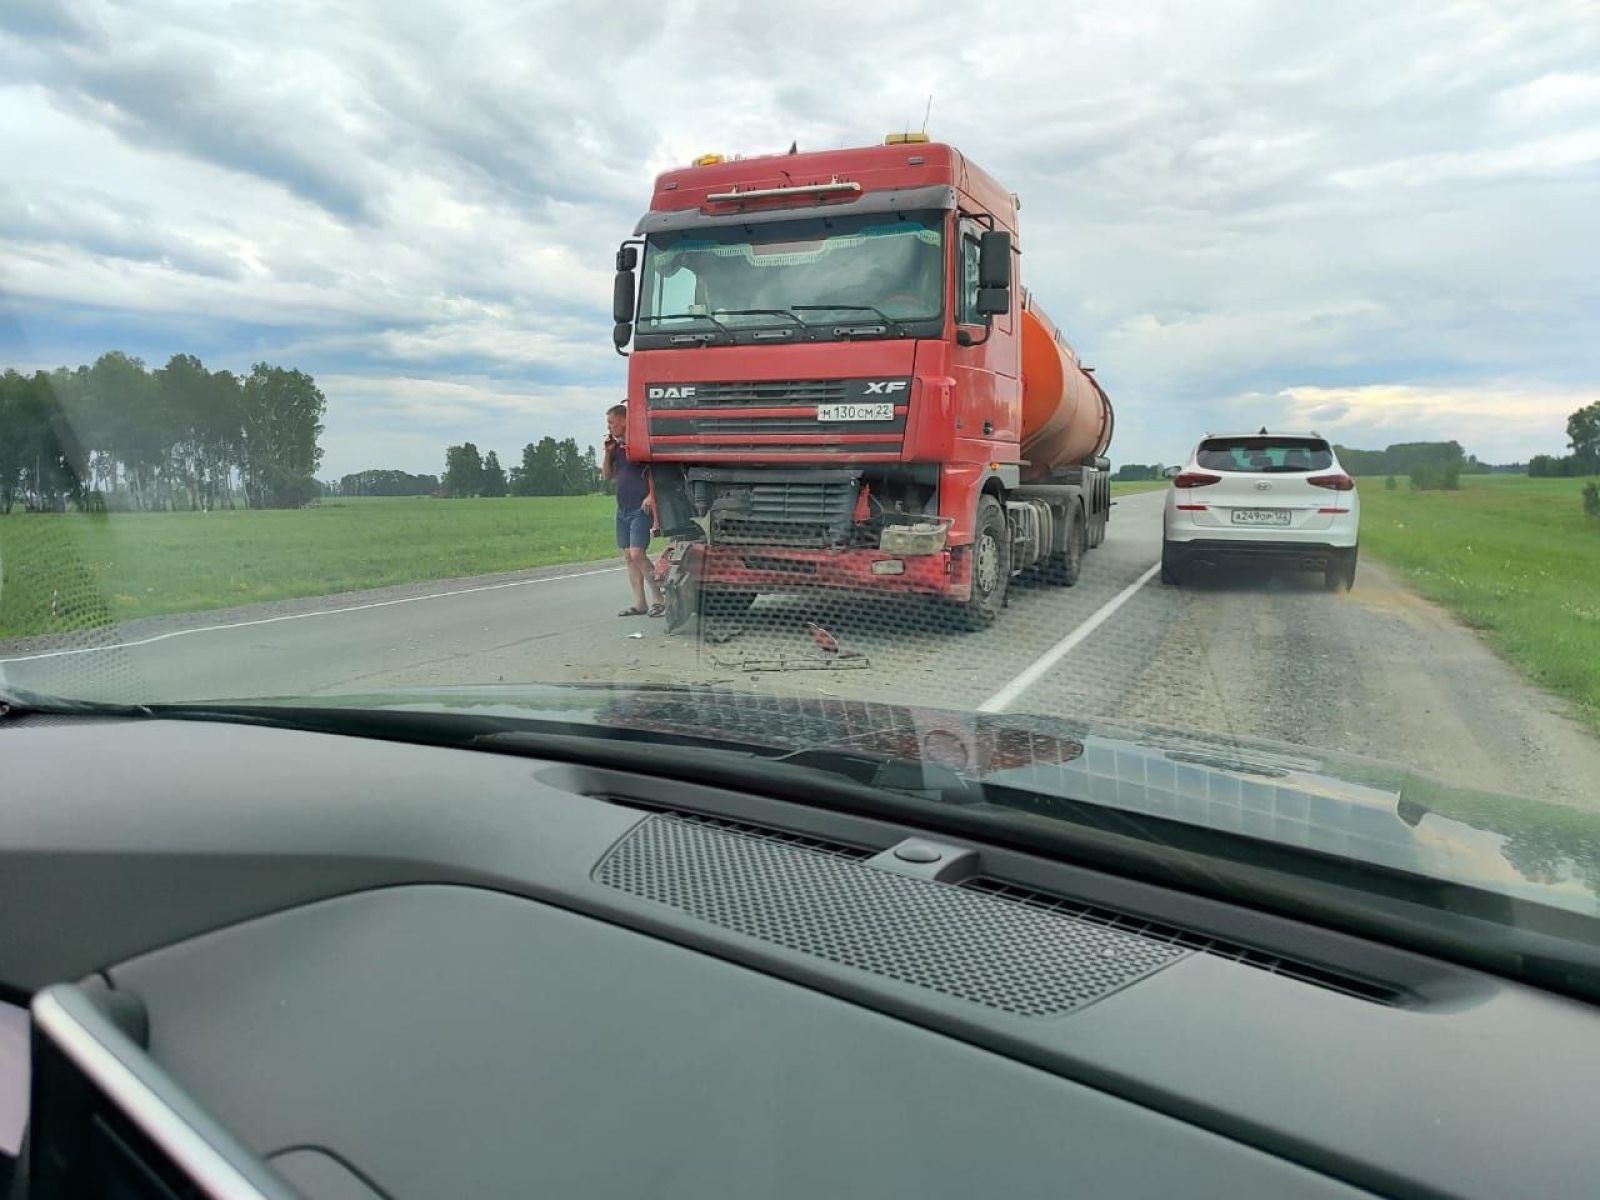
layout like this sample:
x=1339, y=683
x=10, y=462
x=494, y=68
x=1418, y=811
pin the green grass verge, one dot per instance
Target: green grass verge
x=73, y=571
x=1515, y=557
x=1123, y=488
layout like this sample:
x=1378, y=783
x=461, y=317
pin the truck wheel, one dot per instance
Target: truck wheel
x=1065, y=568
x=991, y=567
x=1169, y=569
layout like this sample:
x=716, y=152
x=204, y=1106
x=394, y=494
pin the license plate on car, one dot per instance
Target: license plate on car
x=855, y=412
x=1261, y=516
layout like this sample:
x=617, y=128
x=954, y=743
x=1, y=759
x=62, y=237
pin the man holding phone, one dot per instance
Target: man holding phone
x=636, y=513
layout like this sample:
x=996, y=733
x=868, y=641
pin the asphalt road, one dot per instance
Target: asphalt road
x=1376, y=671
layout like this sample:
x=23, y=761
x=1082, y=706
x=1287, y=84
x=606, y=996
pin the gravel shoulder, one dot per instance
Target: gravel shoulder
x=1379, y=672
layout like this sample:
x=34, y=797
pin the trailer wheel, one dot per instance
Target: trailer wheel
x=991, y=568
x=1063, y=569
x=1097, y=526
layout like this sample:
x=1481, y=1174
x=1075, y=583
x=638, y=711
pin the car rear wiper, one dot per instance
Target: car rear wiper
x=889, y=322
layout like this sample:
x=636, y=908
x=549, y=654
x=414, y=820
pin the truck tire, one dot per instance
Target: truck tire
x=1169, y=568
x=1064, y=568
x=991, y=568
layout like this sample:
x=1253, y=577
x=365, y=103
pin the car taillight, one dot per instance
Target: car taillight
x=1338, y=483
x=1194, y=479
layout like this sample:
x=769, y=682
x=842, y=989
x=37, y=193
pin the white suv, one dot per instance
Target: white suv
x=1271, y=499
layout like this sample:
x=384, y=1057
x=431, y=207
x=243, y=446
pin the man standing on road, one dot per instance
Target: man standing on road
x=636, y=513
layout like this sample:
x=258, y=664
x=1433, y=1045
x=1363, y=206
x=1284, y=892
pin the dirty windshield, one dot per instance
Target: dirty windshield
x=1190, y=415
x=818, y=269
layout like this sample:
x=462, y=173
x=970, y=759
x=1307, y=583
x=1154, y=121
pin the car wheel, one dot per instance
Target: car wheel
x=1169, y=569
x=1339, y=575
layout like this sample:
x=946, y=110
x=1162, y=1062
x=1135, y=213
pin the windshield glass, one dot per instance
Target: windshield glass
x=820, y=268
x=1264, y=454
x=332, y=372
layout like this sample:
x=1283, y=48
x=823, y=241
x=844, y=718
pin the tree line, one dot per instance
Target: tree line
x=548, y=468
x=1138, y=472
x=385, y=483
x=117, y=434
x=1583, y=439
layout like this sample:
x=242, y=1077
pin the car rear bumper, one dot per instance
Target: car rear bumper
x=1304, y=554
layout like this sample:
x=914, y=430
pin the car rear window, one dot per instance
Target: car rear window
x=1264, y=454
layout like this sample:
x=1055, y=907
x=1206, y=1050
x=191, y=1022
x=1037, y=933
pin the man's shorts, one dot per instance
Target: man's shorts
x=633, y=528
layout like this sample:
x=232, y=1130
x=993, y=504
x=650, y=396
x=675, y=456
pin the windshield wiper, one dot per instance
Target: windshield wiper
x=800, y=322
x=889, y=323
x=688, y=316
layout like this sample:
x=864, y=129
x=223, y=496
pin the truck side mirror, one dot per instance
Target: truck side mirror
x=622, y=298
x=623, y=290
x=994, y=301
x=622, y=305
x=994, y=259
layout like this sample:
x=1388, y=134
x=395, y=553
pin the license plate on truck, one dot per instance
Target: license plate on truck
x=855, y=412
x=1261, y=516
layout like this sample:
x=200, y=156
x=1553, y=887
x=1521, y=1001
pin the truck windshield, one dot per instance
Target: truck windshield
x=752, y=275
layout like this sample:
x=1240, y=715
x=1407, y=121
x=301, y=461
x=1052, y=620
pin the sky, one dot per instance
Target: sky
x=1377, y=220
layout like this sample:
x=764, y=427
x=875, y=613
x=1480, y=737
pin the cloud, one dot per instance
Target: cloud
x=1499, y=421
x=1223, y=206
x=373, y=419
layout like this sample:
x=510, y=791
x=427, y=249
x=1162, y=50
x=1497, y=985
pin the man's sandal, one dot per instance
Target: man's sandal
x=657, y=610
x=632, y=612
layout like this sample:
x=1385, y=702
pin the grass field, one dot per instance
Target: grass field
x=70, y=571
x=1512, y=556
x=1143, y=485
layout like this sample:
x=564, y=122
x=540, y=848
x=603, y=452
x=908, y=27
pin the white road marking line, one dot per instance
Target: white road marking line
x=1006, y=696
x=325, y=612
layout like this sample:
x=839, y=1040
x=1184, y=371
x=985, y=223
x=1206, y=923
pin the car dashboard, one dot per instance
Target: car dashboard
x=346, y=967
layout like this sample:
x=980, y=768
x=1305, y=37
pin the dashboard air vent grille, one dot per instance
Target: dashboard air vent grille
x=1015, y=958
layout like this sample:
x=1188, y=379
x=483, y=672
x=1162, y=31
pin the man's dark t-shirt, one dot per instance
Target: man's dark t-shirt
x=632, y=486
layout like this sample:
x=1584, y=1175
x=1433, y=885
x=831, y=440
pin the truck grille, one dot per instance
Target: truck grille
x=761, y=392
x=776, y=513
x=799, y=423
x=726, y=416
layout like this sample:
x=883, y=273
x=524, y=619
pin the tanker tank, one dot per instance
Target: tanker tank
x=1066, y=415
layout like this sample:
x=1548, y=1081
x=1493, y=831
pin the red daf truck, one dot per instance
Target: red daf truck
x=840, y=382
